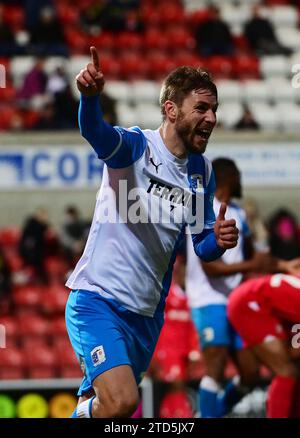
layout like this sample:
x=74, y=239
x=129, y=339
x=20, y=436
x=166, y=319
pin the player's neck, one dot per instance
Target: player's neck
x=172, y=142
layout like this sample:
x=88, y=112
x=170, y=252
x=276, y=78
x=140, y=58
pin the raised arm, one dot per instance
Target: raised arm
x=117, y=146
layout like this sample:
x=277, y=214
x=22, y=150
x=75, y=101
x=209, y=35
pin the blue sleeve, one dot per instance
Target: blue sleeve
x=205, y=245
x=116, y=146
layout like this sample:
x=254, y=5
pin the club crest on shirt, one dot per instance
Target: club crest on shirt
x=196, y=183
x=98, y=355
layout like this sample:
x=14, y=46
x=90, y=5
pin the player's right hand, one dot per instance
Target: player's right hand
x=90, y=80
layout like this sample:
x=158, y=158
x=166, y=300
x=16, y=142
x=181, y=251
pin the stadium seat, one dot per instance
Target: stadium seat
x=54, y=300
x=246, y=67
x=41, y=362
x=53, y=62
x=289, y=37
x=255, y=91
x=280, y=90
x=148, y=116
x=10, y=236
x=14, y=16
x=58, y=330
x=159, y=65
x=33, y=327
x=235, y=15
x=155, y=39
x=229, y=91
x=271, y=66
x=145, y=91
x=221, y=67
x=265, y=115
x=128, y=41
x=119, y=90
x=27, y=299
x=126, y=115
x=12, y=364
x=229, y=114
x=56, y=268
x=179, y=38
x=288, y=115
x=284, y=16
x=67, y=362
x=19, y=66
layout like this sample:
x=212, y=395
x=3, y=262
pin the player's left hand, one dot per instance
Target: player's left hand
x=226, y=232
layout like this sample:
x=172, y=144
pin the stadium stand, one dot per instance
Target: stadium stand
x=135, y=61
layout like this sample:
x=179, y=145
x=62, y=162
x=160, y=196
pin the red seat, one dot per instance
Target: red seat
x=11, y=363
x=54, y=300
x=14, y=17
x=133, y=66
x=128, y=40
x=246, y=67
x=41, y=362
x=33, y=326
x=56, y=268
x=180, y=38
x=27, y=298
x=68, y=14
x=155, y=39
x=9, y=236
x=220, y=67
x=67, y=362
x=160, y=65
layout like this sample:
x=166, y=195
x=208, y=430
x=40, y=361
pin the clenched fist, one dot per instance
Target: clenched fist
x=226, y=231
x=90, y=80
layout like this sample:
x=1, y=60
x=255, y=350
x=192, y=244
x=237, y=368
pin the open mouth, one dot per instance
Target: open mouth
x=203, y=133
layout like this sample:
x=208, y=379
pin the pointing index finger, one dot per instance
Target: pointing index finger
x=95, y=58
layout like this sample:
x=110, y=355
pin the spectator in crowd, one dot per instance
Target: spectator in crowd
x=73, y=234
x=114, y=16
x=34, y=84
x=247, y=121
x=33, y=243
x=260, y=34
x=5, y=282
x=33, y=9
x=8, y=45
x=284, y=235
x=65, y=106
x=213, y=36
x=257, y=227
x=46, y=37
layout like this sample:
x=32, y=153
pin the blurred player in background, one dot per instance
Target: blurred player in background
x=262, y=311
x=208, y=286
x=115, y=310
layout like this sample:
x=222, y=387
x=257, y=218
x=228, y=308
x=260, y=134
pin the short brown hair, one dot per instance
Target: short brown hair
x=181, y=81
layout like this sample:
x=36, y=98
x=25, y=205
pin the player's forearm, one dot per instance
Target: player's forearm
x=221, y=269
x=102, y=137
x=206, y=247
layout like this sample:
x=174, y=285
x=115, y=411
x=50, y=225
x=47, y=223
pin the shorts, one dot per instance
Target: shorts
x=252, y=317
x=105, y=335
x=214, y=327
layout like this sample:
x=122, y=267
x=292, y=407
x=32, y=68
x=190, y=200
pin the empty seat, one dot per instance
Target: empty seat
x=255, y=90
x=41, y=362
x=229, y=114
x=27, y=298
x=126, y=115
x=12, y=363
x=289, y=37
x=265, y=115
x=235, y=14
x=9, y=236
x=33, y=326
x=274, y=66
x=119, y=90
x=145, y=91
x=284, y=16
x=148, y=116
x=19, y=66
x=68, y=365
x=289, y=116
x=280, y=90
x=54, y=300
x=229, y=91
